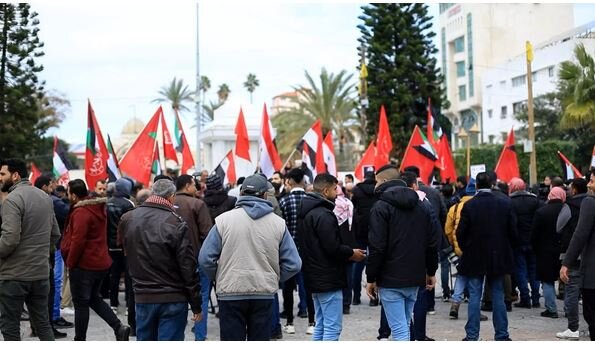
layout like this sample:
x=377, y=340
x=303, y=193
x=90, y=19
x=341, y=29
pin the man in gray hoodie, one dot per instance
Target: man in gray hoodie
x=247, y=252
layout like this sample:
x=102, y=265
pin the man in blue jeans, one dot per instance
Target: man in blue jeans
x=403, y=244
x=485, y=232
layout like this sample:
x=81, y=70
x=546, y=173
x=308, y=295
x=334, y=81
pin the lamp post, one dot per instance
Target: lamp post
x=467, y=134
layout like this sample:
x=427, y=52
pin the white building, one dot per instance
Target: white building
x=477, y=37
x=504, y=86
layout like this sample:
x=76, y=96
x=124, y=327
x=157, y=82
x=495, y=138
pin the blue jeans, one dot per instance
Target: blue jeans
x=460, y=285
x=420, y=311
x=275, y=318
x=526, y=268
x=200, y=327
x=58, y=276
x=398, y=306
x=161, y=322
x=328, y=308
x=549, y=294
x=499, y=317
x=246, y=319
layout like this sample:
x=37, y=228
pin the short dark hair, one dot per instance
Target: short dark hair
x=102, y=181
x=183, y=180
x=60, y=188
x=78, y=188
x=447, y=190
x=42, y=181
x=349, y=176
x=278, y=172
x=493, y=177
x=324, y=181
x=240, y=180
x=369, y=175
x=15, y=165
x=483, y=180
x=462, y=179
x=386, y=167
x=409, y=177
x=557, y=182
x=579, y=185
x=295, y=174
x=503, y=186
x=412, y=169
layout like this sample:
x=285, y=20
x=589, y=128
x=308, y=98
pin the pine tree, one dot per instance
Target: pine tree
x=402, y=69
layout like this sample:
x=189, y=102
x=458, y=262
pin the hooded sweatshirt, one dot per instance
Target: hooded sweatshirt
x=248, y=251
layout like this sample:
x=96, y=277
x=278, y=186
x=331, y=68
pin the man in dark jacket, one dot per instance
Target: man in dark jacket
x=485, y=234
x=524, y=204
x=363, y=200
x=403, y=243
x=324, y=257
x=196, y=215
x=162, y=265
x=216, y=197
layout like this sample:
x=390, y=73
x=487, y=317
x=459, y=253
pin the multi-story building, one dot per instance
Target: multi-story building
x=477, y=37
x=504, y=86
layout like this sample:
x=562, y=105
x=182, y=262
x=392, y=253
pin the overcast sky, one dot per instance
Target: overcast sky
x=119, y=54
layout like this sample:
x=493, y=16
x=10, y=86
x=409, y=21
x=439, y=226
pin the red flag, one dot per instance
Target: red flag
x=187, y=159
x=35, y=173
x=421, y=154
x=446, y=163
x=169, y=152
x=226, y=169
x=243, y=162
x=269, y=158
x=384, y=143
x=508, y=166
x=96, y=154
x=313, y=154
x=138, y=160
x=329, y=154
x=570, y=171
x=367, y=162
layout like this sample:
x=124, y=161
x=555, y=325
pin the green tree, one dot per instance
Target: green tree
x=177, y=94
x=251, y=84
x=223, y=93
x=332, y=100
x=402, y=69
x=577, y=89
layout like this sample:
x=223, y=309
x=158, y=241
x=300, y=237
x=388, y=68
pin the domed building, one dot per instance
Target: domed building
x=129, y=132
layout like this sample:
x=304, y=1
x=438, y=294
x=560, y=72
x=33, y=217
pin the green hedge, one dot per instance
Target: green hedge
x=548, y=162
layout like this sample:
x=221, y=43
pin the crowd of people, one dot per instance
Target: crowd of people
x=188, y=236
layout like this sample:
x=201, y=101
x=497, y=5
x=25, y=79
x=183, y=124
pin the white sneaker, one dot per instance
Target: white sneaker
x=126, y=313
x=289, y=329
x=115, y=309
x=569, y=334
x=310, y=330
x=67, y=311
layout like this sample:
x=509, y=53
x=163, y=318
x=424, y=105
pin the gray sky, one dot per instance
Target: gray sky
x=119, y=54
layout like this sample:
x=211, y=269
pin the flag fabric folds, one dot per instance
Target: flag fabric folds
x=312, y=151
x=366, y=163
x=421, y=154
x=329, y=154
x=445, y=162
x=60, y=161
x=243, y=162
x=138, y=160
x=183, y=147
x=384, y=143
x=156, y=165
x=226, y=169
x=570, y=171
x=508, y=166
x=269, y=158
x=96, y=154
x=169, y=152
x=113, y=167
x=35, y=173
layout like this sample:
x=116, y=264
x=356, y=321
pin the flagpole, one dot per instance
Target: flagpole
x=533, y=157
x=290, y=156
x=199, y=161
x=223, y=159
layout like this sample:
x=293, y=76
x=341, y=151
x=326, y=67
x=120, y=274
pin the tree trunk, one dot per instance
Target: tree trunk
x=4, y=9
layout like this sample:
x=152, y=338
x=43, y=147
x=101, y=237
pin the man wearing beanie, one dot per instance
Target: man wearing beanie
x=216, y=198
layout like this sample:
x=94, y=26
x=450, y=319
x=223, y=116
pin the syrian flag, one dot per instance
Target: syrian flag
x=183, y=147
x=508, y=166
x=61, y=165
x=269, y=158
x=113, y=168
x=156, y=165
x=243, y=162
x=329, y=154
x=366, y=163
x=570, y=171
x=35, y=173
x=445, y=162
x=384, y=143
x=138, y=160
x=169, y=152
x=96, y=154
x=312, y=150
x=421, y=154
x=226, y=169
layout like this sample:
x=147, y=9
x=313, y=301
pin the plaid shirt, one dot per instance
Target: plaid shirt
x=290, y=205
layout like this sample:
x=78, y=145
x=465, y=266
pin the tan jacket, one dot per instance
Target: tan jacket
x=196, y=214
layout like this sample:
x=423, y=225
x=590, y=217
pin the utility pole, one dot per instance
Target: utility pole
x=533, y=157
x=363, y=89
x=199, y=162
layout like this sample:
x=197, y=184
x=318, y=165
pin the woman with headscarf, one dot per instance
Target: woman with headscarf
x=344, y=213
x=546, y=244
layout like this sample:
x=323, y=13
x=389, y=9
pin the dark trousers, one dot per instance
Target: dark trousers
x=487, y=293
x=245, y=319
x=589, y=310
x=288, y=287
x=420, y=311
x=347, y=295
x=12, y=296
x=118, y=267
x=358, y=269
x=384, y=329
x=85, y=286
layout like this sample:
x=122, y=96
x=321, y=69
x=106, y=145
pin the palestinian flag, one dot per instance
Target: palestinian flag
x=61, y=165
x=445, y=162
x=570, y=171
x=421, y=154
x=113, y=168
x=183, y=147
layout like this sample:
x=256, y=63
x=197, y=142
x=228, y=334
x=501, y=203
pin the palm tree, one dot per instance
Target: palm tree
x=577, y=88
x=332, y=101
x=223, y=93
x=177, y=94
x=209, y=110
x=251, y=84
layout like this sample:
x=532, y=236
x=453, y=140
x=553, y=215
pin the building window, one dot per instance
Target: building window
x=503, y=112
x=519, y=81
x=459, y=44
x=550, y=71
x=444, y=7
x=490, y=114
x=460, y=69
x=504, y=135
x=518, y=107
x=491, y=138
x=470, y=55
x=462, y=93
x=534, y=76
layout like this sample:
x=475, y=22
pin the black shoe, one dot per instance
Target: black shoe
x=302, y=314
x=523, y=305
x=486, y=307
x=427, y=339
x=356, y=302
x=62, y=323
x=373, y=302
x=346, y=309
x=277, y=335
x=24, y=316
x=58, y=334
x=536, y=304
x=508, y=306
x=549, y=314
x=483, y=317
x=122, y=332
x=283, y=315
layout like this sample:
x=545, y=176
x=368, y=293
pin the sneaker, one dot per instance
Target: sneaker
x=302, y=314
x=549, y=314
x=289, y=329
x=277, y=335
x=122, y=333
x=346, y=309
x=431, y=311
x=310, y=329
x=536, y=304
x=445, y=298
x=115, y=309
x=58, y=334
x=24, y=316
x=356, y=302
x=483, y=317
x=62, y=323
x=126, y=313
x=373, y=302
x=523, y=304
x=569, y=334
x=67, y=311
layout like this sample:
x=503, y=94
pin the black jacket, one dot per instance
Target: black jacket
x=363, y=199
x=574, y=204
x=161, y=261
x=437, y=201
x=116, y=207
x=218, y=202
x=546, y=241
x=485, y=234
x=525, y=205
x=404, y=233
x=324, y=256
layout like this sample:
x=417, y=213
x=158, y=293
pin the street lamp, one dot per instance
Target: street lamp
x=467, y=134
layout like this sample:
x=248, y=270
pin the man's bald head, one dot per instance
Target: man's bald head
x=387, y=173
